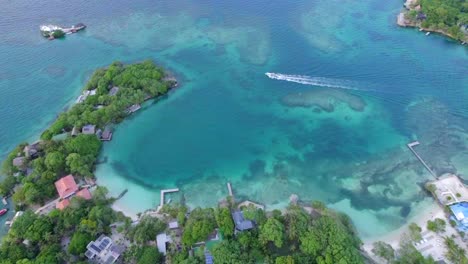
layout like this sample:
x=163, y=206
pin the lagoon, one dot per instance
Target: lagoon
x=228, y=121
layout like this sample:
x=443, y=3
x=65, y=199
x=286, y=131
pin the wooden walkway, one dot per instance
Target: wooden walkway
x=230, y=189
x=413, y=144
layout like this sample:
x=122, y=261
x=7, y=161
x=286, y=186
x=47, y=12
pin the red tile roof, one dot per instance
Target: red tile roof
x=62, y=204
x=84, y=193
x=66, y=186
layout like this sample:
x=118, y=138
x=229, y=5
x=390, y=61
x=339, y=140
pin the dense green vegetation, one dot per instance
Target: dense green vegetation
x=294, y=236
x=455, y=253
x=451, y=16
x=36, y=238
x=77, y=155
x=136, y=82
x=438, y=225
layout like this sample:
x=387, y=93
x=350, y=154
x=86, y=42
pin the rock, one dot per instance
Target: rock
x=293, y=199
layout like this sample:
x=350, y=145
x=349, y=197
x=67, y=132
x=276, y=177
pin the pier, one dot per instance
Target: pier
x=163, y=192
x=230, y=189
x=413, y=144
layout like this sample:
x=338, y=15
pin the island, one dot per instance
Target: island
x=54, y=32
x=63, y=216
x=449, y=18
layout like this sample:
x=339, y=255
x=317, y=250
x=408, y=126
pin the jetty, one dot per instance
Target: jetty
x=414, y=144
x=230, y=189
x=163, y=193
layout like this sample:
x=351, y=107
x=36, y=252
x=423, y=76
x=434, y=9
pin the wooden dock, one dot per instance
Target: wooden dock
x=163, y=192
x=230, y=189
x=413, y=144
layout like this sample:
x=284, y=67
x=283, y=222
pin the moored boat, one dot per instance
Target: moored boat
x=3, y=211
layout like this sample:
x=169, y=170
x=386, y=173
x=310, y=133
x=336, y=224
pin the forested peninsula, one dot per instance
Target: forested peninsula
x=447, y=17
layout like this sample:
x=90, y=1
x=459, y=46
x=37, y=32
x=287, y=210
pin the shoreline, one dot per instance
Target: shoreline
x=403, y=21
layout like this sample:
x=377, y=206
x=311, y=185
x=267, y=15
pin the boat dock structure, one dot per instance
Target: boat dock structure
x=411, y=147
x=230, y=189
x=163, y=193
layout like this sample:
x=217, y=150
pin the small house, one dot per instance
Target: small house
x=421, y=16
x=93, y=92
x=66, y=186
x=89, y=130
x=114, y=91
x=173, y=225
x=75, y=132
x=240, y=222
x=103, y=251
x=161, y=241
x=32, y=151
x=18, y=162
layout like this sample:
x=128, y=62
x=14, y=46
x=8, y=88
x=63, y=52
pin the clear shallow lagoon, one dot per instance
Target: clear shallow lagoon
x=229, y=122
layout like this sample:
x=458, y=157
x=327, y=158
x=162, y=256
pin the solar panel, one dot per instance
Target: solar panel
x=96, y=248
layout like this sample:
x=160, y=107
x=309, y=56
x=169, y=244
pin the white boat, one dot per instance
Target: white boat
x=428, y=33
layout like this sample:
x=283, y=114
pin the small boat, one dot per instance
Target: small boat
x=427, y=34
x=169, y=201
x=3, y=211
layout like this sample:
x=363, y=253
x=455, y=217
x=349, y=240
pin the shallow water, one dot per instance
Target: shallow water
x=229, y=122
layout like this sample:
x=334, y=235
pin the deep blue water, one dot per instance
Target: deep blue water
x=229, y=122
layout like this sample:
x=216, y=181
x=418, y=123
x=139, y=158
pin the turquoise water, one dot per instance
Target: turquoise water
x=229, y=122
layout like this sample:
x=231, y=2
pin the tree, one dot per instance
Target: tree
x=284, y=260
x=230, y=252
x=58, y=33
x=384, y=251
x=255, y=214
x=79, y=242
x=297, y=222
x=147, y=229
x=415, y=232
x=455, y=253
x=149, y=255
x=272, y=231
x=83, y=145
x=328, y=241
x=319, y=206
x=438, y=225
x=225, y=222
x=80, y=165
x=55, y=161
x=409, y=254
x=200, y=224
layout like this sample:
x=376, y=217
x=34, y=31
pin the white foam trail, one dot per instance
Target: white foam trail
x=317, y=81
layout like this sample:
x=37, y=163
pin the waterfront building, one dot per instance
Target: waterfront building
x=66, y=186
x=103, y=251
x=241, y=223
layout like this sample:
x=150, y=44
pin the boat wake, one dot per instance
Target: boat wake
x=316, y=81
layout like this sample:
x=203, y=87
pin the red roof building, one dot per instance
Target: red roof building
x=84, y=193
x=66, y=186
x=62, y=204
